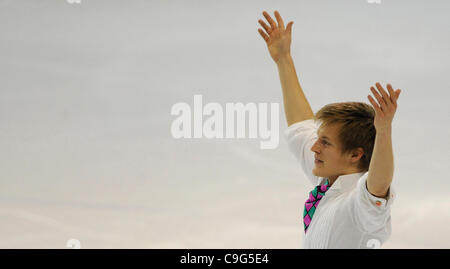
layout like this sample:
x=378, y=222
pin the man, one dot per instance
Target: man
x=348, y=157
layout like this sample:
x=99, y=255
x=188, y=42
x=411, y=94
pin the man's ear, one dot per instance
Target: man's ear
x=357, y=154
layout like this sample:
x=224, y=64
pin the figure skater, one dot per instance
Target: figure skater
x=345, y=150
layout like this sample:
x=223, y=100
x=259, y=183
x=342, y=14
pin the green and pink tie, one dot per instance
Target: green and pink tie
x=313, y=202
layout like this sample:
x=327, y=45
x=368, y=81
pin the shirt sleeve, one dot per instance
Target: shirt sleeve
x=300, y=137
x=370, y=213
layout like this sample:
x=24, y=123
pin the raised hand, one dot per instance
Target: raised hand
x=278, y=39
x=385, y=108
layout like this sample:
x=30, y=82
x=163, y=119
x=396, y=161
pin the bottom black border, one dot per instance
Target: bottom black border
x=223, y=258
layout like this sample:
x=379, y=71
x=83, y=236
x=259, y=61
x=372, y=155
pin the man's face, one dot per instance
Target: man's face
x=327, y=149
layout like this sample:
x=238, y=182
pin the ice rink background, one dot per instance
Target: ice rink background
x=85, y=96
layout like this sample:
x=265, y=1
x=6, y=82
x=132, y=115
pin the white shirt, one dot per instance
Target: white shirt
x=348, y=215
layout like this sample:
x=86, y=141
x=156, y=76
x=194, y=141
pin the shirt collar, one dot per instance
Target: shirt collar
x=345, y=182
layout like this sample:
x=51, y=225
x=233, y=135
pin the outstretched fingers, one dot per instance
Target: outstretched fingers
x=393, y=94
x=375, y=106
x=279, y=20
x=386, y=97
x=379, y=98
x=264, y=35
x=270, y=20
x=387, y=103
x=265, y=26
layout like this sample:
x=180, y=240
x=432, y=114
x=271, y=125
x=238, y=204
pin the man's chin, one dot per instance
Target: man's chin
x=316, y=173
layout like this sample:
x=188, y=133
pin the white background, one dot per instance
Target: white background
x=85, y=97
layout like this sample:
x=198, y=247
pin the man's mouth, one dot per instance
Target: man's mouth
x=317, y=161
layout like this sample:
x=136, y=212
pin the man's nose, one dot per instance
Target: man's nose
x=314, y=147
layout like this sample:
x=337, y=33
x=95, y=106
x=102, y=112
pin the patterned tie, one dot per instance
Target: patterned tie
x=313, y=202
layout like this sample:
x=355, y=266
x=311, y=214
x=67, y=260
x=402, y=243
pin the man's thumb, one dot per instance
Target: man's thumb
x=289, y=27
x=397, y=93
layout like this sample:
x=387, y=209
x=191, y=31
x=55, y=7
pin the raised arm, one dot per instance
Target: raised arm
x=381, y=169
x=278, y=40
